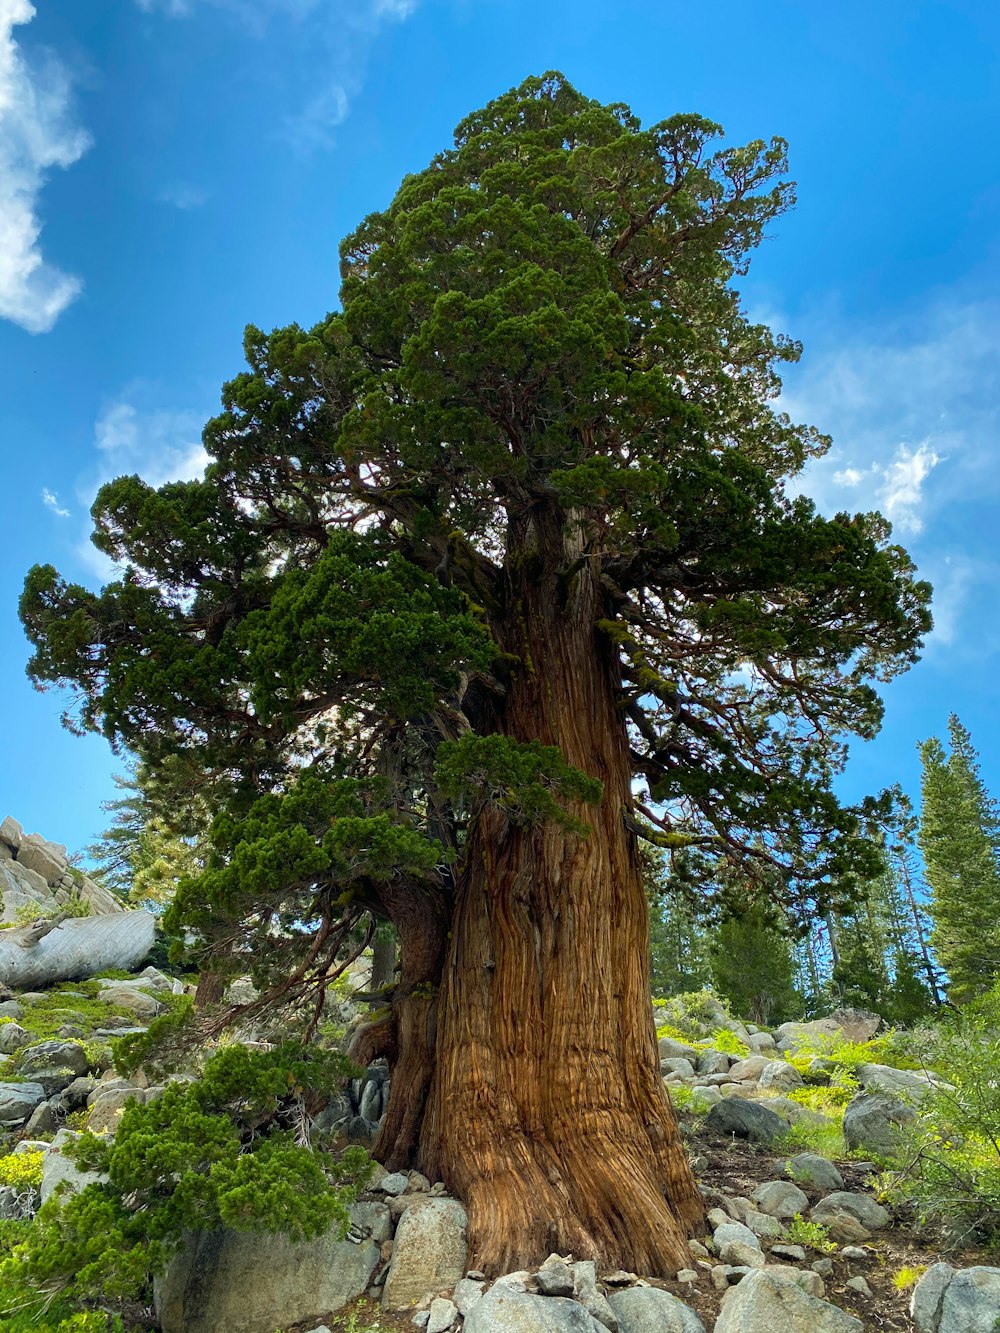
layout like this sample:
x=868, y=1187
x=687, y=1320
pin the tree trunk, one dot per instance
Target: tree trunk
x=547, y=1115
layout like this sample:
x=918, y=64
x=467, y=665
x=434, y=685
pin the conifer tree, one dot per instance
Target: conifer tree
x=960, y=841
x=677, y=938
x=493, y=572
x=753, y=966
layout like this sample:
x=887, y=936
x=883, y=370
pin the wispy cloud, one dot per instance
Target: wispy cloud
x=337, y=36
x=37, y=133
x=914, y=411
x=51, y=501
x=157, y=444
x=185, y=197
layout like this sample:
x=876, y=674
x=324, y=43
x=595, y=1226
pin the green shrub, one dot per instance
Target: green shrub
x=811, y=1234
x=219, y=1152
x=22, y=1171
x=951, y=1157
x=726, y=1041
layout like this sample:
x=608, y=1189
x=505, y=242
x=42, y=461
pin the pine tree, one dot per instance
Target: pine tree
x=503, y=539
x=677, y=939
x=753, y=966
x=960, y=840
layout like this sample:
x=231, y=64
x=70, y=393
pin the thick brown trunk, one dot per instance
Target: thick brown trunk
x=547, y=1115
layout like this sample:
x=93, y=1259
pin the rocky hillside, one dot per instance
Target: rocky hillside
x=789, y=1132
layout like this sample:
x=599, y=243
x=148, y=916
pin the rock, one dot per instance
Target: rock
x=806, y=1278
x=47, y=859
x=779, y=1076
x=75, y=1095
x=750, y=1068
x=650, y=1310
x=249, y=1283
x=925, y=1301
x=970, y=1302
x=844, y=1024
x=504, y=1309
x=393, y=1184
x=443, y=1314
x=428, y=1255
x=18, y=1100
x=856, y=1254
x=59, y=1173
x=372, y=1219
x=734, y=1232
x=41, y=1121
x=677, y=1065
x=11, y=833
x=12, y=1038
x=763, y=1225
x=910, y=1084
x=128, y=995
x=795, y=1252
x=671, y=1049
x=780, y=1198
x=11, y=1009
x=745, y=1120
x=713, y=1062
x=812, y=1169
x=555, y=1277
x=586, y=1291
x=824, y=1267
x=759, y=1042
x=768, y=1302
x=54, y=1055
x=859, y=1285
x=797, y=1114
x=468, y=1292
x=862, y=1207
x=739, y=1255
x=77, y=948
x=874, y=1122
x=106, y=1108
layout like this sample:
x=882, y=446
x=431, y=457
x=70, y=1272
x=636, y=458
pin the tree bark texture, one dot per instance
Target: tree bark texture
x=546, y=1114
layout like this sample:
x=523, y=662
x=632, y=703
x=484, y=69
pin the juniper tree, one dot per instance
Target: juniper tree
x=492, y=573
x=960, y=841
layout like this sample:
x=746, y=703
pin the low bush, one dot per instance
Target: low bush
x=950, y=1170
x=813, y=1235
x=230, y=1150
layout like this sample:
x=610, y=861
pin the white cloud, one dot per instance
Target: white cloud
x=184, y=197
x=901, y=496
x=902, y=402
x=36, y=133
x=156, y=444
x=51, y=501
x=339, y=36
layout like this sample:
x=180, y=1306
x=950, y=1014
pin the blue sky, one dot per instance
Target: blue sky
x=172, y=169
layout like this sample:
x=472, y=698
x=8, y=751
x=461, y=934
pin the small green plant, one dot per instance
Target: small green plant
x=21, y=1171
x=811, y=1234
x=726, y=1041
x=826, y=1140
x=908, y=1276
x=690, y=1100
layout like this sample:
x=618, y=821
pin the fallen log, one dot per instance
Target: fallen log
x=32, y=958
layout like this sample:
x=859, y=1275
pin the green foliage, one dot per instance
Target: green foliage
x=752, y=966
x=960, y=840
x=908, y=1276
x=22, y=1171
x=522, y=780
x=677, y=941
x=63, y=1004
x=221, y=1151
x=951, y=1162
x=689, y=1016
x=813, y=1235
x=725, y=1040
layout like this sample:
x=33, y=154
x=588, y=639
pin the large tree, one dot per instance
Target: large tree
x=492, y=572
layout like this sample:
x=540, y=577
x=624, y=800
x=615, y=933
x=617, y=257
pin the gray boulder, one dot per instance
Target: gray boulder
x=12, y=1038
x=749, y=1069
x=910, y=1084
x=428, y=1254
x=862, y=1207
x=780, y=1198
x=61, y=1175
x=811, y=1169
x=587, y=1292
x=779, y=1076
x=649, y=1310
x=745, y=1120
x=875, y=1121
x=766, y=1301
x=18, y=1100
x=248, y=1283
x=713, y=1062
x=966, y=1301
x=670, y=1048
x=505, y=1309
